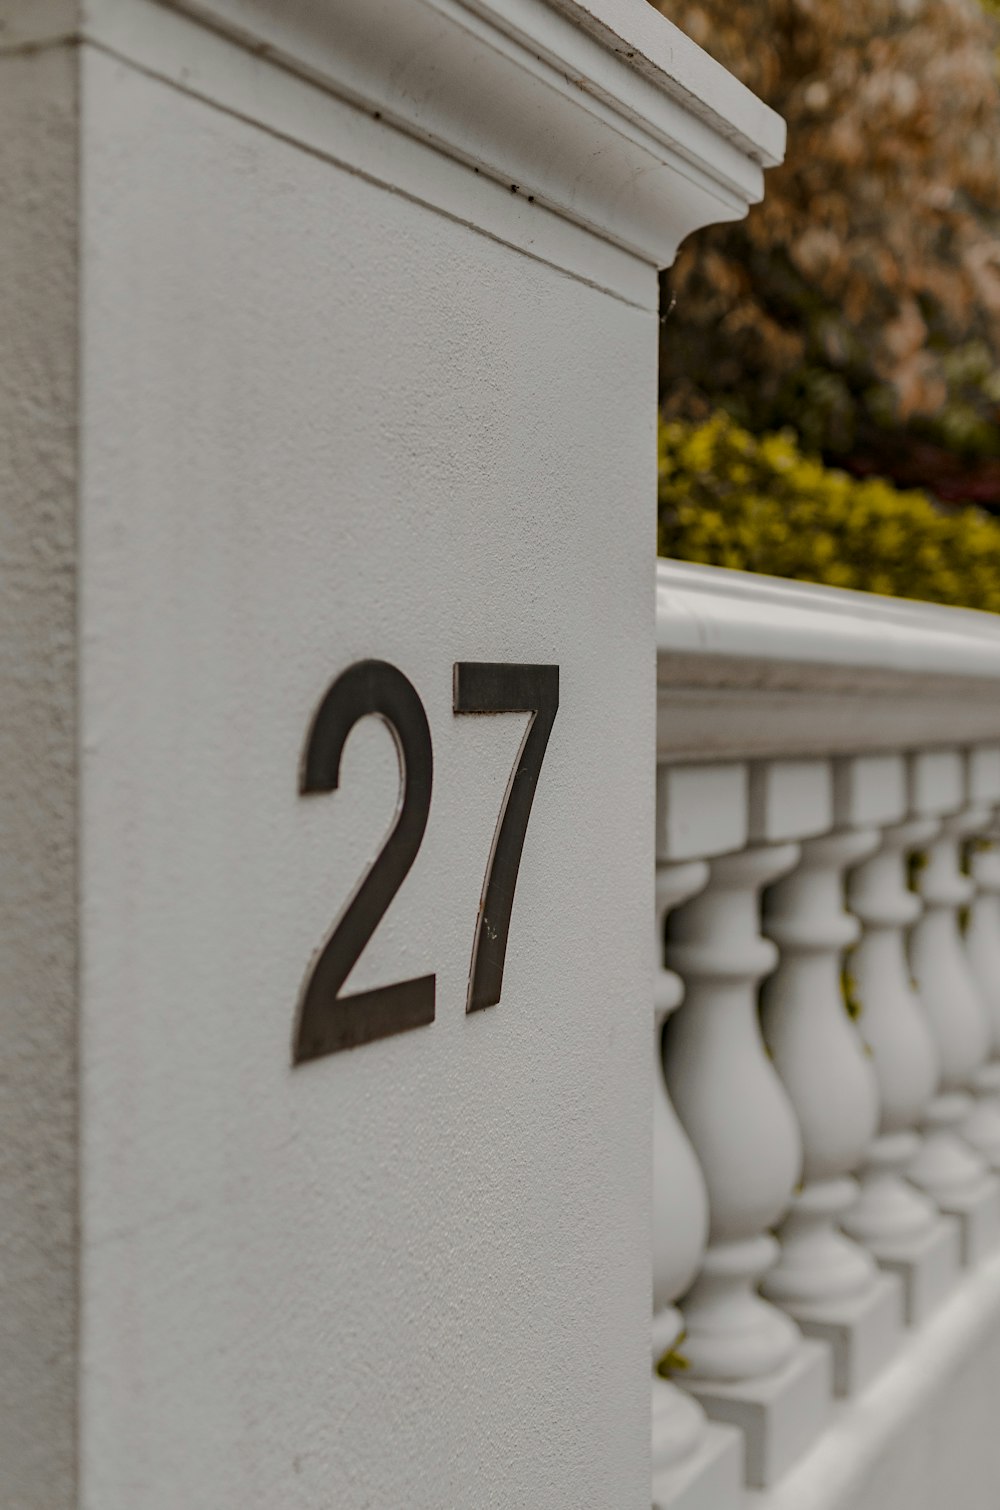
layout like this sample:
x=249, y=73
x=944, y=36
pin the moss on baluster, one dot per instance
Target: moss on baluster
x=673, y=1360
x=916, y=862
x=971, y=847
x=853, y=1005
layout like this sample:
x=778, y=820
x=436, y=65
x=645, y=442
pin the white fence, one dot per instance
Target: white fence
x=827, y=1123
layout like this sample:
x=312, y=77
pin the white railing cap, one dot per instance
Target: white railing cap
x=751, y=665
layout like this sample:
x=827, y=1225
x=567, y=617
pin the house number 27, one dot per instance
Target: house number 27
x=327, y=1020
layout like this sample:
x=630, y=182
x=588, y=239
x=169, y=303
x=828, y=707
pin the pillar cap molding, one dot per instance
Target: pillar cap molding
x=602, y=111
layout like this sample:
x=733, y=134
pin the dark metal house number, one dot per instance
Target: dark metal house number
x=328, y=1021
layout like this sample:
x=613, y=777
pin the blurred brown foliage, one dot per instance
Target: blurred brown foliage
x=860, y=302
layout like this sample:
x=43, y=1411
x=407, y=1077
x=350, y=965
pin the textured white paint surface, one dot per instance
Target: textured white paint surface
x=322, y=422
x=38, y=956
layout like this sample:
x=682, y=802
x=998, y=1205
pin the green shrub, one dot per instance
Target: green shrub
x=729, y=498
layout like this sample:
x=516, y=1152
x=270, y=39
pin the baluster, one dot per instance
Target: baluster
x=680, y=1204
x=946, y=1166
x=982, y=938
x=899, y=1224
x=982, y=934
x=748, y=1360
x=688, y=1452
x=826, y=1280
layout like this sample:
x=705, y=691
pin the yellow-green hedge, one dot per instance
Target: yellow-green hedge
x=729, y=498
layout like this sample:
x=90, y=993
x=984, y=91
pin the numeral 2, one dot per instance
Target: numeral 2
x=326, y=1020
x=497, y=687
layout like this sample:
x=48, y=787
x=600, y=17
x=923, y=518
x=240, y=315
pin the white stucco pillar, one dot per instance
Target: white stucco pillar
x=333, y=340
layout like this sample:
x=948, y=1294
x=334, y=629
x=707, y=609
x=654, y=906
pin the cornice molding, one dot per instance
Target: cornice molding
x=684, y=71
x=599, y=110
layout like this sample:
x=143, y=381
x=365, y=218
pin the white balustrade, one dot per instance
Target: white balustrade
x=980, y=925
x=822, y=1063
x=752, y=1155
x=824, y=1278
x=982, y=936
x=867, y=1083
x=950, y=1168
x=898, y=1223
x=748, y=1361
x=680, y=1204
x=702, y=809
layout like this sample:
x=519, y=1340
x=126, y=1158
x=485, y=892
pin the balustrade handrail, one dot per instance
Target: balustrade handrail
x=751, y=666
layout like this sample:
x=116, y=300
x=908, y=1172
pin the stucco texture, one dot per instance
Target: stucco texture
x=324, y=422
x=38, y=945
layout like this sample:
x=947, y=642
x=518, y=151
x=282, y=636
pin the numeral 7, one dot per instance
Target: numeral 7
x=499, y=687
